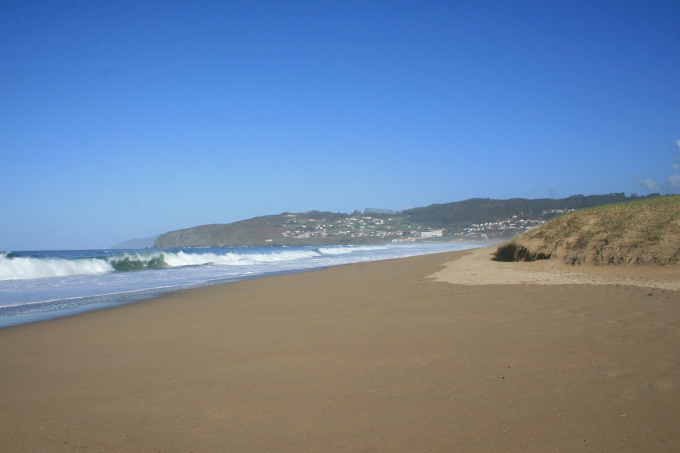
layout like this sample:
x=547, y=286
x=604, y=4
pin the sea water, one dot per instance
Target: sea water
x=36, y=286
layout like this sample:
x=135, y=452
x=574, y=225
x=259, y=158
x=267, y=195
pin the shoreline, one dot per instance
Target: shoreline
x=374, y=356
x=148, y=275
x=123, y=298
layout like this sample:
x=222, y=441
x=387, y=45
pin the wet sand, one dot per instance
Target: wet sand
x=399, y=355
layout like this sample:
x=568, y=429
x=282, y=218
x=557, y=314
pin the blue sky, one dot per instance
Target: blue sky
x=122, y=119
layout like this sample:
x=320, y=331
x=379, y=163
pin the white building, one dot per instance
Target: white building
x=431, y=234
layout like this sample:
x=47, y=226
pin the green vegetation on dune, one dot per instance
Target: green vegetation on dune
x=638, y=232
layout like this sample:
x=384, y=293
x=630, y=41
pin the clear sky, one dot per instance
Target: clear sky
x=124, y=119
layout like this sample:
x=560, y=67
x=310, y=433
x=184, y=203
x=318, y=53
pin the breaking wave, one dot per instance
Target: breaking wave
x=14, y=267
x=17, y=267
x=234, y=259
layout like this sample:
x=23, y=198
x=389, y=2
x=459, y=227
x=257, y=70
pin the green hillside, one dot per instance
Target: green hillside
x=480, y=210
x=478, y=218
x=310, y=228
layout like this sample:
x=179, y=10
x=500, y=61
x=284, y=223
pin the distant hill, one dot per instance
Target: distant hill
x=377, y=225
x=480, y=210
x=136, y=243
x=639, y=232
x=258, y=231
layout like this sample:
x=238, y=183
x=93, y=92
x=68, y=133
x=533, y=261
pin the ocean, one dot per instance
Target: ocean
x=41, y=285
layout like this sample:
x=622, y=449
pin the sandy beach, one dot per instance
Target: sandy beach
x=447, y=352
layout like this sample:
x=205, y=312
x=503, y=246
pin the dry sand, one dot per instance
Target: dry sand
x=479, y=268
x=366, y=357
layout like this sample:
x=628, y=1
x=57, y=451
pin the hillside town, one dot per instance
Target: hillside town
x=478, y=219
x=354, y=226
x=507, y=227
x=396, y=229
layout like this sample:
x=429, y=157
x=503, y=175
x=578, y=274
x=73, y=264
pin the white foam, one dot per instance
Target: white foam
x=343, y=250
x=20, y=268
x=234, y=259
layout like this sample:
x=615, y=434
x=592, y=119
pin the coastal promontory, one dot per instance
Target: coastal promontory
x=475, y=219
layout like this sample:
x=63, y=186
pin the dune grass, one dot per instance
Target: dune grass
x=639, y=232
